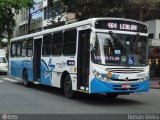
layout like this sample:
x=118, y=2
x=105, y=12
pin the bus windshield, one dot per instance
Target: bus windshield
x=120, y=49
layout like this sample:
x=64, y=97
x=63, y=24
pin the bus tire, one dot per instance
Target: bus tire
x=68, y=92
x=26, y=83
x=111, y=95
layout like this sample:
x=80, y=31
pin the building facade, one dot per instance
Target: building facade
x=154, y=48
x=35, y=18
x=21, y=20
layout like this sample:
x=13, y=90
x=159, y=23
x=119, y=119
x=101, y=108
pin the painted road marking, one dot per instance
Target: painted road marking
x=10, y=80
x=1, y=81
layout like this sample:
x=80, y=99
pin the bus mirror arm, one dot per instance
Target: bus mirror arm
x=92, y=39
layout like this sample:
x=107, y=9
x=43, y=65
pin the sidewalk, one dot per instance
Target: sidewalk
x=155, y=84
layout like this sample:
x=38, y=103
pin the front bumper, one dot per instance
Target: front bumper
x=3, y=70
x=98, y=86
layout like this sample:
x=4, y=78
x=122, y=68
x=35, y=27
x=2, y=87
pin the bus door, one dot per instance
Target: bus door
x=37, y=60
x=83, y=59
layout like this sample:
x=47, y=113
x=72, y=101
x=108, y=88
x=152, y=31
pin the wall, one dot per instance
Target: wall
x=154, y=27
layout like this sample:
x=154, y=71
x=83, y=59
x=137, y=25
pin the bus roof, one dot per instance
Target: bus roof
x=90, y=21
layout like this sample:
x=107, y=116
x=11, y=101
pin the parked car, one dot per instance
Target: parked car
x=3, y=65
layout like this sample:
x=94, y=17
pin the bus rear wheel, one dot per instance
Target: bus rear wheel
x=26, y=83
x=68, y=92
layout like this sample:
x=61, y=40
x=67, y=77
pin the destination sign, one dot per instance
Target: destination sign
x=121, y=25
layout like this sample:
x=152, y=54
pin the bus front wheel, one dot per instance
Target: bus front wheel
x=68, y=92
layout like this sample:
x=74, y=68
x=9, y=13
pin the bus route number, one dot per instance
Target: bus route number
x=112, y=25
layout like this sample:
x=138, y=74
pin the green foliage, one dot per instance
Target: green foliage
x=7, y=7
x=84, y=9
x=15, y=4
x=142, y=9
x=134, y=9
x=59, y=10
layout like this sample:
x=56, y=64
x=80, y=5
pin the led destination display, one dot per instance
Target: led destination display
x=121, y=25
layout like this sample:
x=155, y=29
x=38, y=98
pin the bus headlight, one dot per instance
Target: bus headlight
x=145, y=78
x=100, y=76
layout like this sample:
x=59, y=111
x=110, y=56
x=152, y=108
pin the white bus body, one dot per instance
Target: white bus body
x=98, y=55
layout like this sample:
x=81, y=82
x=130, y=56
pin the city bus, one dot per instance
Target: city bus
x=97, y=55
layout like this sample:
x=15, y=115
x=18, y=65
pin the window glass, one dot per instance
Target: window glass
x=70, y=42
x=57, y=43
x=18, y=48
x=13, y=49
x=120, y=49
x=30, y=47
x=24, y=46
x=3, y=60
x=47, y=45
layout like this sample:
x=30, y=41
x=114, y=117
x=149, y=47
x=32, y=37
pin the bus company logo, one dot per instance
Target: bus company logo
x=49, y=68
x=4, y=116
x=126, y=79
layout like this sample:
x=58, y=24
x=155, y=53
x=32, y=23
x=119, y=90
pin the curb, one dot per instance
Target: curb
x=155, y=87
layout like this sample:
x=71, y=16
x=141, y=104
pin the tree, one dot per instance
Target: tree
x=7, y=9
x=84, y=9
x=58, y=12
x=141, y=10
x=134, y=9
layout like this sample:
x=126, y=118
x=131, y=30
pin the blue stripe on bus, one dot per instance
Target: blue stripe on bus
x=98, y=86
x=46, y=70
x=46, y=77
x=17, y=68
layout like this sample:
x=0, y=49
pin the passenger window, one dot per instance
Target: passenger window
x=47, y=45
x=30, y=47
x=70, y=42
x=57, y=43
x=18, y=49
x=24, y=47
x=13, y=49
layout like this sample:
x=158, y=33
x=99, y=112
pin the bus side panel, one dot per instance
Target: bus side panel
x=17, y=68
x=46, y=75
x=46, y=71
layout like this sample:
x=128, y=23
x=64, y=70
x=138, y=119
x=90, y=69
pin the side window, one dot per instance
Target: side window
x=70, y=42
x=47, y=45
x=24, y=47
x=13, y=49
x=30, y=47
x=57, y=43
x=18, y=48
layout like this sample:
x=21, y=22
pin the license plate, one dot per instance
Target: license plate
x=126, y=86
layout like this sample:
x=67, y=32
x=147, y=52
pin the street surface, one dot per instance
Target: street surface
x=17, y=99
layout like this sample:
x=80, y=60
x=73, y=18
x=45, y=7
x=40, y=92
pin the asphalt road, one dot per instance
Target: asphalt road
x=17, y=99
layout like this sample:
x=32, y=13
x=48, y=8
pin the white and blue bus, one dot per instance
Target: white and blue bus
x=98, y=55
